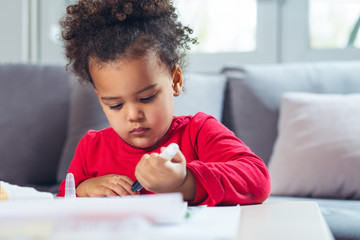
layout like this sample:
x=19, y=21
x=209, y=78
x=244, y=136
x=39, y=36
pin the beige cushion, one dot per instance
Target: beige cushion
x=317, y=152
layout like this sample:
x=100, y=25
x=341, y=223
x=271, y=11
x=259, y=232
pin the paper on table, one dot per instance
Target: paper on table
x=13, y=192
x=156, y=208
x=206, y=223
x=117, y=218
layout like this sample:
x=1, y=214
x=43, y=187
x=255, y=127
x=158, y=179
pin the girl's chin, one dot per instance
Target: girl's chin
x=142, y=144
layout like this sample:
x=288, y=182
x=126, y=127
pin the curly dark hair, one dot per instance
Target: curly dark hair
x=109, y=30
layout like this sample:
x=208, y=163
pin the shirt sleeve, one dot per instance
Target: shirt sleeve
x=226, y=172
x=77, y=166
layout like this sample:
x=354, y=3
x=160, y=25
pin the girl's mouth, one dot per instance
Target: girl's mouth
x=139, y=131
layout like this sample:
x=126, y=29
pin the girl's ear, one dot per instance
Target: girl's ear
x=97, y=93
x=98, y=96
x=177, y=80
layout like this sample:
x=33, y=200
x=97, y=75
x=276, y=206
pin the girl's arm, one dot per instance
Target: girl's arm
x=76, y=166
x=227, y=171
x=89, y=186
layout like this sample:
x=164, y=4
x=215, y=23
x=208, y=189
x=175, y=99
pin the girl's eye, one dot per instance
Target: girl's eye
x=116, y=107
x=147, y=99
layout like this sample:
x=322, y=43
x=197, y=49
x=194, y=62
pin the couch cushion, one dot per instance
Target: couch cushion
x=203, y=93
x=85, y=114
x=317, y=152
x=253, y=94
x=34, y=105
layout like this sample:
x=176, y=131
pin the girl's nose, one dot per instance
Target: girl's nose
x=134, y=113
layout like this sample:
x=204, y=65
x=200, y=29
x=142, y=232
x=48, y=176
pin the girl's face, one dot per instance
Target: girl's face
x=137, y=97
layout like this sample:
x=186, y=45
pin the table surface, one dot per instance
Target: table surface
x=270, y=220
x=283, y=220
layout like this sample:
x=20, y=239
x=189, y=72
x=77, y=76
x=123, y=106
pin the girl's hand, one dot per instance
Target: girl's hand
x=159, y=175
x=106, y=186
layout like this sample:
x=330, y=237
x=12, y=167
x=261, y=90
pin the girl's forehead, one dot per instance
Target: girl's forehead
x=130, y=67
x=149, y=59
x=128, y=76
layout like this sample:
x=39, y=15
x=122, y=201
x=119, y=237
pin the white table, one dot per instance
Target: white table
x=283, y=220
x=270, y=220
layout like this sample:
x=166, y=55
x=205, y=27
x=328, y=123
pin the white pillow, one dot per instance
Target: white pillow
x=317, y=152
x=203, y=93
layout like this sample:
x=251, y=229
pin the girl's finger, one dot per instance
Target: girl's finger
x=110, y=193
x=121, y=187
x=125, y=178
x=178, y=158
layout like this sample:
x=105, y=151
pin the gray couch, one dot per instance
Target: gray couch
x=44, y=113
x=252, y=104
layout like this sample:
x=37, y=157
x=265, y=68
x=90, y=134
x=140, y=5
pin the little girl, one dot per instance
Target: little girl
x=132, y=52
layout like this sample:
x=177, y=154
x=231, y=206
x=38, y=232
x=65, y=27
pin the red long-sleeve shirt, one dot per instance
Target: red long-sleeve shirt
x=226, y=172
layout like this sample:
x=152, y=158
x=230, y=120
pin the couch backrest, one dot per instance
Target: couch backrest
x=203, y=92
x=34, y=106
x=253, y=94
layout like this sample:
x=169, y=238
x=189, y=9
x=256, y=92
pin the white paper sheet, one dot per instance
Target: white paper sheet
x=208, y=223
x=159, y=208
x=13, y=192
x=150, y=217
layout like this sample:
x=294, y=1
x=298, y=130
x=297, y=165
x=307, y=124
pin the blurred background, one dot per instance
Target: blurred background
x=245, y=31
